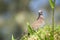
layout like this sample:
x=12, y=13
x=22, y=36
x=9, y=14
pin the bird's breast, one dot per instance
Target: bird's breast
x=37, y=24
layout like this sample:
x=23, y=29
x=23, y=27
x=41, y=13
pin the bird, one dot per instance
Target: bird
x=39, y=22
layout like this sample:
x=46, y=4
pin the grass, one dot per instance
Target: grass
x=43, y=34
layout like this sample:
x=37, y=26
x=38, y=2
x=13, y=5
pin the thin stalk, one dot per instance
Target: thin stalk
x=53, y=24
x=53, y=9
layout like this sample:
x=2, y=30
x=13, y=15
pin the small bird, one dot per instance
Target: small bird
x=39, y=22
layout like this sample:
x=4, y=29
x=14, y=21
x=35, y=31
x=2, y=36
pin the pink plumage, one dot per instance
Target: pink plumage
x=39, y=22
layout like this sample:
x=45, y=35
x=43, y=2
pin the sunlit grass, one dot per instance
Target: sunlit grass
x=13, y=38
x=43, y=34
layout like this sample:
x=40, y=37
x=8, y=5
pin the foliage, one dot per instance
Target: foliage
x=44, y=34
x=30, y=30
x=13, y=38
x=52, y=3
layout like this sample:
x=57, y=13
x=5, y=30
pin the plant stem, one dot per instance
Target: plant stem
x=53, y=9
x=53, y=24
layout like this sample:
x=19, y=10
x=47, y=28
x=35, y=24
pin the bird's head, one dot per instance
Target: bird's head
x=40, y=13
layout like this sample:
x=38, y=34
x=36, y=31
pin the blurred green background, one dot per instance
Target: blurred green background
x=14, y=14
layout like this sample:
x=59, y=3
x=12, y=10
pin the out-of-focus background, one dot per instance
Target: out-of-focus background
x=14, y=14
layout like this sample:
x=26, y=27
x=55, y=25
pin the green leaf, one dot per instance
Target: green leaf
x=52, y=3
x=30, y=30
x=12, y=37
x=46, y=38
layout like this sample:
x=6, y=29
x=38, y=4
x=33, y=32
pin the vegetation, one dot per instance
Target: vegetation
x=43, y=34
x=52, y=4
